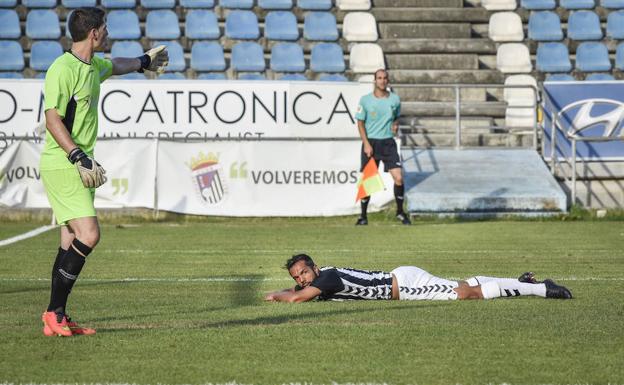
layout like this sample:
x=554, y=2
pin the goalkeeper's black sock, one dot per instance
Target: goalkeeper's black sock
x=65, y=275
x=364, y=205
x=398, y=197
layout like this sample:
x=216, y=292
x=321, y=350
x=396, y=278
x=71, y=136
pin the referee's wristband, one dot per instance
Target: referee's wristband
x=145, y=62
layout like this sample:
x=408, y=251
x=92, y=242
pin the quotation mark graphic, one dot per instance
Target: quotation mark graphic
x=120, y=184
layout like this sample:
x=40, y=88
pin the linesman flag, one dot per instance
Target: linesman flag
x=370, y=182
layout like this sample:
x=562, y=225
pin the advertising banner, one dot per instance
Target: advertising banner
x=196, y=109
x=267, y=178
x=229, y=178
x=591, y=112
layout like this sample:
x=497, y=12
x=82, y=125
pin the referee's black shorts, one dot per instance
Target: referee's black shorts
x=384, y=150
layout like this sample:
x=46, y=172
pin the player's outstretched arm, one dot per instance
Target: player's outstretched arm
x=292, y=295
x=156, y=59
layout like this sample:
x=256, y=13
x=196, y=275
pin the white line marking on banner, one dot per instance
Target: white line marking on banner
x=30, y=234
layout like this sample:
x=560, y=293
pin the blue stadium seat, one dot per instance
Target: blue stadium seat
x=123, y=24
x=615, y=25
x=619, y=57
x=236, y=4
x=281, y=25
x=251, y=76
x=212, y=76
x=560, y=78
x=43, y=24
x=333, y=78
x=601, y=77
x=11, y=56
x=297, y=77
x=287, y=57
x=162, y=24
x=11, y=75
x=592, y=57
x=242, y=25
x=536, y=5
x=202, y=24
x=43, y=53
x=126, y=49
x=9, y=24
x=612, y=4
x=132, y=76
x=79, y=3
x=176, y=55
x=154, y=4
x=553, y=57
x=315, y=5
x=8, y=3
x=327, y=57
x=247, y=56
x=545, y=26
x=197, y=3
x=584, y=25
x=172, y=76
x=119, y=3
x=577, y=4
x=320, y=26
x=275, y=4
x=207, y=56
x=39, y=3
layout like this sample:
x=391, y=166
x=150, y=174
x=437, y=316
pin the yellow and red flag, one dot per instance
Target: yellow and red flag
x=370, y=182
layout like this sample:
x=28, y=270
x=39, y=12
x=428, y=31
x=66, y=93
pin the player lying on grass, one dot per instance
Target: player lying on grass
x=402, y=283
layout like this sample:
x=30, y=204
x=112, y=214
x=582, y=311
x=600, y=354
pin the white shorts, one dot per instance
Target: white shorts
x=417, y=284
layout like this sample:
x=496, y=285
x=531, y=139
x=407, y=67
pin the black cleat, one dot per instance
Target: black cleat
x=361, y=222
x=556, y=291
x=404, y=219
x=528, y=277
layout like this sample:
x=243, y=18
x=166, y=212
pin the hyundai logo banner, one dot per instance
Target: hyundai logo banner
x=592, y=113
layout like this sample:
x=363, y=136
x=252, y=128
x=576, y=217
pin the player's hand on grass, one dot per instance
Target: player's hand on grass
x=91, y=172
x=156, y=59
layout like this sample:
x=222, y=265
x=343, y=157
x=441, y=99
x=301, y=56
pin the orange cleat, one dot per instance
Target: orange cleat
x=52, y=327
x=73, y=326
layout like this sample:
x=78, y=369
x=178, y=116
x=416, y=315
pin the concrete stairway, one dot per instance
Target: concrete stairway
x=444, y=42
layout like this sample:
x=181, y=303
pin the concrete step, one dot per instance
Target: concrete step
x=413, y=46
x=468, y=139
x=444, y=125
x=493, y=109
x=418, y=3
x=412, y=15
x=446, y=77
x=424, y=30
x=590, y=170
x=428, y=61
x=597, y=194
x=479, y=180
x=439, y=94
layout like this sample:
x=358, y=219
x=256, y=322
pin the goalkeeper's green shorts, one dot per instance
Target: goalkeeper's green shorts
x=67, y=195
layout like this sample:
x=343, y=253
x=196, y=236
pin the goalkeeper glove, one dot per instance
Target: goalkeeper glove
x=156, y=59
x=91, y=173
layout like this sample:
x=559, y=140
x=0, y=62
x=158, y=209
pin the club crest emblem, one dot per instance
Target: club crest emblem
x=206, y=174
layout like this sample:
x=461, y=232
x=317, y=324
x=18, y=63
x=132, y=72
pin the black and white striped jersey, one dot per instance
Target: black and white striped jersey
x=337, y=284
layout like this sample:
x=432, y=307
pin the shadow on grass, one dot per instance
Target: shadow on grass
x=269, y=320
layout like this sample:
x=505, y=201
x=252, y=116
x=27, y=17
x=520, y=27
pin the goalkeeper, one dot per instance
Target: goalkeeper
x=69, y=171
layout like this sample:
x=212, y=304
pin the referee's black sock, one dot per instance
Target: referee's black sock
x=65, y=275
x=364, y=204
x=398, y=197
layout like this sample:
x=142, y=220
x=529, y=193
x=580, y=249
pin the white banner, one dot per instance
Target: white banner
x=267, y=178
x=229, y=178
x=199, y=109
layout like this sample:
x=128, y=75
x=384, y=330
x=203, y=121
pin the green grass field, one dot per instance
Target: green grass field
x=181, y=303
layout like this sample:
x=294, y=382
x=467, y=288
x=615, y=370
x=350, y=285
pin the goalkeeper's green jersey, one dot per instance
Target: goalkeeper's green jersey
x=72, y=87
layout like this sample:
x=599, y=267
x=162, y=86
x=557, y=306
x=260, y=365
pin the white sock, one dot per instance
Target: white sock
x=509, y=287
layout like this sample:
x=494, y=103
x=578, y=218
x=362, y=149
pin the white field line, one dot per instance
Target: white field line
x=30, y=234
x=244, y=279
